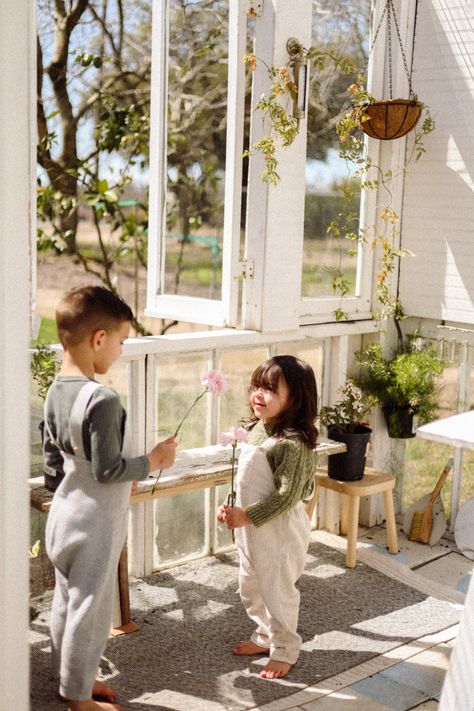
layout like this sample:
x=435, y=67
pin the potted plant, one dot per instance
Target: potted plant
x=405, y=385
x=343, y=422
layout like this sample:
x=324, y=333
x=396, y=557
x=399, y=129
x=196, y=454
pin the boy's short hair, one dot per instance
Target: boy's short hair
x=86, y=309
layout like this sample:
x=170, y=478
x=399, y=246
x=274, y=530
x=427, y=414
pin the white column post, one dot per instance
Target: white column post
x=17, y=49
x=275, y=214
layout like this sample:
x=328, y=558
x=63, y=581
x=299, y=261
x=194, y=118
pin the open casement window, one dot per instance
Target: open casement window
x=271, y=268
x=327, y=259
x=333, y=264
x=195, y=163
x=284, y=255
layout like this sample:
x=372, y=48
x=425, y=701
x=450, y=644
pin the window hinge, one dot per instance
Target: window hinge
x=254, y=8
x=246, y=269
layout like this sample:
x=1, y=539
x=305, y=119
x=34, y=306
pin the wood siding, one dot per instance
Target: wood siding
x=438, y=206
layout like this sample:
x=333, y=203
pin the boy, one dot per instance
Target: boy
x=87, y=523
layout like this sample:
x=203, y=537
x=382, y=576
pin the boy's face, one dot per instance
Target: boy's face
x=108, y=346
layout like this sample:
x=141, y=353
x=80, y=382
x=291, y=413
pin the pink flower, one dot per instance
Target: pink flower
x=235, y=434
x=214, y=382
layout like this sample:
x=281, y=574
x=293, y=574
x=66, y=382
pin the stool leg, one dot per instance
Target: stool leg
x=390, y=521
x=352, y=531
x=344, y=527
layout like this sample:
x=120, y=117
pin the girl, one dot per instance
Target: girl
x=275, y=474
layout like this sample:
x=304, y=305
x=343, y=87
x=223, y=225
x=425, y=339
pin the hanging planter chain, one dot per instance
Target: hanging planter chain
x=389, y=10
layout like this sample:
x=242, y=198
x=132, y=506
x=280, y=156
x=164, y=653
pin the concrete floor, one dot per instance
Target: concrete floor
x=410, y=676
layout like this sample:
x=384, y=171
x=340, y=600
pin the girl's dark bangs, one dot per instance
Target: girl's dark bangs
x=266, y=376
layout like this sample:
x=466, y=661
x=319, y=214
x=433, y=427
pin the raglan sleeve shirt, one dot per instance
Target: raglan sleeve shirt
x=293, y=464
x=105, y=418
x=102, y=433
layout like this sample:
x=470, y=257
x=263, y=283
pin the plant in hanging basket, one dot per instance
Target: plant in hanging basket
x=344, y=424
x=391, y=118
x=384, y=119
x=405, y=384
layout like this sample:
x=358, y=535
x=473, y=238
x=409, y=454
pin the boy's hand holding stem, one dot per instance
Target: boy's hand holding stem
x=163, y=454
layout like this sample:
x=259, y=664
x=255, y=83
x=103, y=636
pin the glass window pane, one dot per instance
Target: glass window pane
x=178, y=385
x=180, y=527
x=237, y=367
x=342, y=28
x=117, y=379
x=197, y=104
x=312, y=354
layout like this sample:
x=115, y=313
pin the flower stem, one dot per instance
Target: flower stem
x=232, y=493
x=177, y=432
x=187, y=413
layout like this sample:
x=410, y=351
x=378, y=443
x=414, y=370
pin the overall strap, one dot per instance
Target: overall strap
x=45, y=419
x=271, y=441
x=76, y=417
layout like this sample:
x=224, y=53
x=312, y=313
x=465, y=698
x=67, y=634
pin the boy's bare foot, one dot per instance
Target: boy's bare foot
x=103, y=692
x=249, y=648
x=91, y=705
x=100, y=692
x=275, y=670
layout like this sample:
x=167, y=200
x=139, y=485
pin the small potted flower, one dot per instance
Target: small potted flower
x=344, y=423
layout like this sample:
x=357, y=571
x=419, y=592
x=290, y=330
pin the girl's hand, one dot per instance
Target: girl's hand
x=221, y=513
x=235, y=517
x=134, y=488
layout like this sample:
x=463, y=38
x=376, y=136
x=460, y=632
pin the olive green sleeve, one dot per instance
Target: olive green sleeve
x=293, y=465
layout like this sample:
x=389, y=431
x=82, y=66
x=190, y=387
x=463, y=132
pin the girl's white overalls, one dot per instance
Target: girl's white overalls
x=85, y=534
x=272, y=558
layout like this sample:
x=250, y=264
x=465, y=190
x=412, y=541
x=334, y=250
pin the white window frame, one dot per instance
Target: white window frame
x=273, y=259
x=214, y=312
x=387, y=155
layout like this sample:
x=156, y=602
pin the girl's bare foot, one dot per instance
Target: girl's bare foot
x=100, y=692
x=91, y=705
x=275, y=670
x=249, y=648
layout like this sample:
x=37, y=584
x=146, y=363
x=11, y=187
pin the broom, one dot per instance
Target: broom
x=422, y=521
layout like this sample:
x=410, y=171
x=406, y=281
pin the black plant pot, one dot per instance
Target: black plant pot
x=399, y=422
x=350, y=465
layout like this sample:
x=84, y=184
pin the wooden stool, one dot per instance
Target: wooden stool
x=373, y=482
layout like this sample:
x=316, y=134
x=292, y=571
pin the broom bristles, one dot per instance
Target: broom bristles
x=422, y=521
x=416, y=526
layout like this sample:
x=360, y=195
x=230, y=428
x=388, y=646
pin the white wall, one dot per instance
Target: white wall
x=17, y=150
x=438, y=214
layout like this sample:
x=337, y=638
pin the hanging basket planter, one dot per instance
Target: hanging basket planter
x=391, y=118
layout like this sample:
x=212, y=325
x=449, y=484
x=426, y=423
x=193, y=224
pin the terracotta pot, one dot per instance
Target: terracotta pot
x=350, y=465
x=392, y=118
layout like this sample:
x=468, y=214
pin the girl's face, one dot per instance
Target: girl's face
x=268, y=404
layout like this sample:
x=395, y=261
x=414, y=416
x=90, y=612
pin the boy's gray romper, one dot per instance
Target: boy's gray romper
x=85, y=533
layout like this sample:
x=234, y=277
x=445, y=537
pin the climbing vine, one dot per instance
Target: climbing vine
x=282, y=129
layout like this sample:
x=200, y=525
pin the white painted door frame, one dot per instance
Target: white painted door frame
x=17, y=119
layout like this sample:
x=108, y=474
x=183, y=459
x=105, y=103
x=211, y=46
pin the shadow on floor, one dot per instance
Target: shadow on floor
x=190, y=616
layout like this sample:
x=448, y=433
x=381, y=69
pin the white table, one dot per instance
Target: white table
x=458, y=688
x=457, y=431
